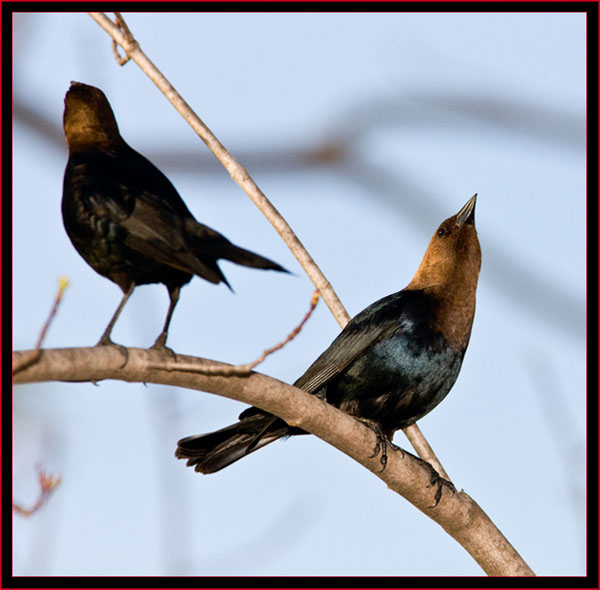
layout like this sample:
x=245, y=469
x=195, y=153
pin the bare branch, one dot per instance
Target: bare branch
x=458, y=514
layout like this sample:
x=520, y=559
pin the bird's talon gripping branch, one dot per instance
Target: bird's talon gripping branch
x=379, y=447
x=441, y=482
x=397, y=448
x=381, y=444
x=161, y=346
x=435, y=479
x=376, y=450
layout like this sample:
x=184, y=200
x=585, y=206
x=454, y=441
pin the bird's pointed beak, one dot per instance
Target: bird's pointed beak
x=467, y=212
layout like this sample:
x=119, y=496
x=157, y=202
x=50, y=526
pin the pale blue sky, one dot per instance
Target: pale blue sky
x=431, y=108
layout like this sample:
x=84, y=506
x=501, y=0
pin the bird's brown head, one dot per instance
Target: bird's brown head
x=88, y=119
x=449, y=272
x=453, y=256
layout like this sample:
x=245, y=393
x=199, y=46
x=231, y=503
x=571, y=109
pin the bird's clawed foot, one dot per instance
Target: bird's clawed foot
x=382, y=442
x=435, y=479
x=161, y=344
x=106, y=341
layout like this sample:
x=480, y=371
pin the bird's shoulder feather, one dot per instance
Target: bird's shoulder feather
x=378, y=321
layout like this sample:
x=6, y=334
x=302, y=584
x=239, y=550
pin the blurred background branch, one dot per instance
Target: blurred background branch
x=512, y=277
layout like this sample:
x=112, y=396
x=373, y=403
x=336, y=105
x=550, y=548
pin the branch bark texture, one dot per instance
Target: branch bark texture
x=458, y=514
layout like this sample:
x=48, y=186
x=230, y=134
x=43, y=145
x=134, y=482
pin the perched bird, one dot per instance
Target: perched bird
x=393, y=362
x=124, y=216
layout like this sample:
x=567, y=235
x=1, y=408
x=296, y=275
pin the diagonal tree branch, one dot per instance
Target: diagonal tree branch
x=235, y=169
x=121, y=34
x=458, y=514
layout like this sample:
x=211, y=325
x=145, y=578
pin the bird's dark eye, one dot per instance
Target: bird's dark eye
x=441, y=231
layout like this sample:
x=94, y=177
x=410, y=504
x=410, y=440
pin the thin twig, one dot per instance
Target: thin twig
x=247, y=367
x=63, y=283
x=48, y=483
x=120, y=22
x=243, y=179
x=313, y=303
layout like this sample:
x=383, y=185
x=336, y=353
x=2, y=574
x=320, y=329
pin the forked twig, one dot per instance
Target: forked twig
x=120, y=22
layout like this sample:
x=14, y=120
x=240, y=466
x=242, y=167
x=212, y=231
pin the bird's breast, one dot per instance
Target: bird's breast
x=399, y=380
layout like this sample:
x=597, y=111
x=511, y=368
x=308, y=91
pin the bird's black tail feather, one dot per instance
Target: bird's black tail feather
x=244, y=257
x=209, y=453
x=208, y=246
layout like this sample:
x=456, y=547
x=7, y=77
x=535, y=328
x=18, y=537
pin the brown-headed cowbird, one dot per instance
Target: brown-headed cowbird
x=124, y=216
x=393, y=362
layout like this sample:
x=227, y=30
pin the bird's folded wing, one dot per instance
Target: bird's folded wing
x=159, y=234
x=351, y=343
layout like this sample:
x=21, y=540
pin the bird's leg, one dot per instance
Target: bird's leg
x=435, y=479
x=161, y=341
x=105, y=339
x=382, y=441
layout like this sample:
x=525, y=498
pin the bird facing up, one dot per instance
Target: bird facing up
x=393, y=362
x=124, y=216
